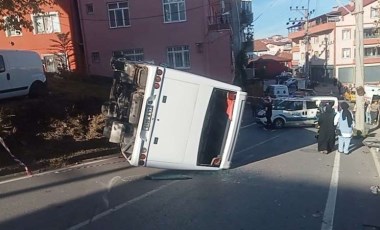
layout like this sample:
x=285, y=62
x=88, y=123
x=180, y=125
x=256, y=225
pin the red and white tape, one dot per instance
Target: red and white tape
x=29, y=173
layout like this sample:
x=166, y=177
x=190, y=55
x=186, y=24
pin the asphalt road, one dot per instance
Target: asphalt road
x=278, y=181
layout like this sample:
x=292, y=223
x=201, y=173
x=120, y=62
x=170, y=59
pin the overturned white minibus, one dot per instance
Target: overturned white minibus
x=171, y=119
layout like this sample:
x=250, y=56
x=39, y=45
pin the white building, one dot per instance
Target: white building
x=345, y=45
x=332, y=44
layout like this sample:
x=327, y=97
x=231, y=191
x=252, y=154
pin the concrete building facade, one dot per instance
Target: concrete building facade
x=199, y=36
x=332, y=44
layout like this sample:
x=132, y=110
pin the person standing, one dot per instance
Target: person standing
x=268, y=111
x=373, y=112
x=344, y=122
x=326, y=137
x=367, y=108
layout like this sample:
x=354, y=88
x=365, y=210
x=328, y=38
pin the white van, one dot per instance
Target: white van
x=297, y=111
x=21, y=73
x=275, y=91
x=370, y=91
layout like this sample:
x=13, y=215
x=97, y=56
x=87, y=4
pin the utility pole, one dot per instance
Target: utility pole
x=305, y=20
x=326, y=43
x=359, y=68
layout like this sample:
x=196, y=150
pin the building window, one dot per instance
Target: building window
x=95, y=57
x=130, y=54
x=346, y=34
x=370, y=33
x=316, y=40
x=118, y=14
x=371, y=51
x=90, y=8
x=179, y=57
x=11, y=32
x=174, y=10
x=346, y=53
x=46, y=23
x=302, y=56
x=374, y=12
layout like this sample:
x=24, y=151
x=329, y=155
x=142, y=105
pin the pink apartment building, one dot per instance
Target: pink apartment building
x=199, y=36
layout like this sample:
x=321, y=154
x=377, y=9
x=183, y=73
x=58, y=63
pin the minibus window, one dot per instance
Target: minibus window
x=2, y=64
x=215, y=128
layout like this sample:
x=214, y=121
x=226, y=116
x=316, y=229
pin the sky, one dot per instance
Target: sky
x=271, y=16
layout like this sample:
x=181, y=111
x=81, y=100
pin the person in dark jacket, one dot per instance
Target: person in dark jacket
x=326, y=138
x=268, y=111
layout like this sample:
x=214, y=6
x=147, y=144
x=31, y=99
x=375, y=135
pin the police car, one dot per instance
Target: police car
x=297, y=111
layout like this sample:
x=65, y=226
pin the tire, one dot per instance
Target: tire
x=278, y=123
x=37, y=89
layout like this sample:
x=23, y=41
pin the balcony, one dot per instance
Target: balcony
x=219, y=22
x=313, y=29
x=246, y=18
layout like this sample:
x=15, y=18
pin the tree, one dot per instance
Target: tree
x=15, y=14
x=63, y=49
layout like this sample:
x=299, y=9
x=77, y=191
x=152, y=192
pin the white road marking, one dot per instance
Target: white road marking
x=260, y=143
x=246, y=126
x=376, y=160
x=56, y=171
x=120, y=206
x=328, y=214
x=15, y=179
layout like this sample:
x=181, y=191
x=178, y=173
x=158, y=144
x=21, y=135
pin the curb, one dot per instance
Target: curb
x=21, y=174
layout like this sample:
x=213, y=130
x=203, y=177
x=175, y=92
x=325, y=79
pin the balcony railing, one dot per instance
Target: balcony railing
x=246, y=17
x=219, y=22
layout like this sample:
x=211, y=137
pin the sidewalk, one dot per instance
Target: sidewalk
x=372, y=142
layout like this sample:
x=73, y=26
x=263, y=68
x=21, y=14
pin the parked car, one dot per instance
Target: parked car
x=290, y=81
x=304, y=93
x=21, y=73
x=281, y=79
x=350, y=95
x=275, y=91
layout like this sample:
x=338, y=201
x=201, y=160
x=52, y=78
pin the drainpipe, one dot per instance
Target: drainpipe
x=85, y=56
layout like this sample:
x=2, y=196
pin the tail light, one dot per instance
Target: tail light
x=142, y=157
x=159, y=72
x=158, y=78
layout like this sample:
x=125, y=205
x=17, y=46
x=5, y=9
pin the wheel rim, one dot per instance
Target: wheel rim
x=278, y=123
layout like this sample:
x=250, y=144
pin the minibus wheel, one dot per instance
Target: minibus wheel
x=278, y=123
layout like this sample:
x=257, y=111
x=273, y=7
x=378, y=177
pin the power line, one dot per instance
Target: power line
x=265, y=9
